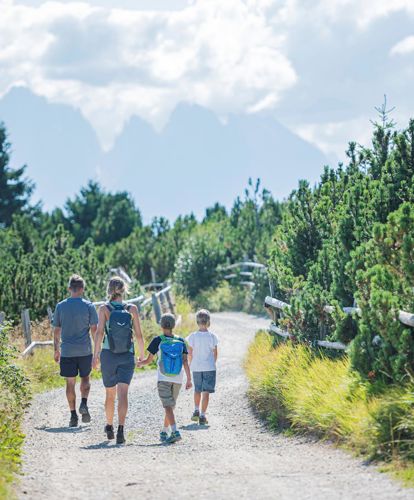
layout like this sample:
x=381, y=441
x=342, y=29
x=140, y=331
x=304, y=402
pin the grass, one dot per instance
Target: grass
x=297, y=389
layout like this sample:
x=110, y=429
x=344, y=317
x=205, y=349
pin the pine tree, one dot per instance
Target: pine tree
x=15, y=191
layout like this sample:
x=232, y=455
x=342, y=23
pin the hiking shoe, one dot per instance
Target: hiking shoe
x=120, y=438
x=163, y=436
x=84, y=411
x=196, y=416
x=203, y=420
x=173, y=438
x=109, y=430
x=74, y=421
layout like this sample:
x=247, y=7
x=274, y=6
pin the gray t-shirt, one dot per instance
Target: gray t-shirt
x=75, y=316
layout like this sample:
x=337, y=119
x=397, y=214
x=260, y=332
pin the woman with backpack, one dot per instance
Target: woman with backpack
x=118, y=322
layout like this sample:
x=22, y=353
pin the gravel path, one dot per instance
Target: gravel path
x=236, y=457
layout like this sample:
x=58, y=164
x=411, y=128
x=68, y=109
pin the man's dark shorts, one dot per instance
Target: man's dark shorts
x=204, y=381
x=77, y=365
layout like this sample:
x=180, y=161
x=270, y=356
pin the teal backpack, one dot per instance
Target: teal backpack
x=171, y=357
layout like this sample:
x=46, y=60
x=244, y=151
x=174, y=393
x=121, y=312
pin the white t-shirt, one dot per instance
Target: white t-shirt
x=203, y=344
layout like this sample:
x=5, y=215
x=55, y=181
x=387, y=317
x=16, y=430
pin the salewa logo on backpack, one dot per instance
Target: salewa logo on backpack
x=119, y=328
x=171, y=358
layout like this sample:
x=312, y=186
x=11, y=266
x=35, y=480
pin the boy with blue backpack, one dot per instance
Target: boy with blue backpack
x=172, y=358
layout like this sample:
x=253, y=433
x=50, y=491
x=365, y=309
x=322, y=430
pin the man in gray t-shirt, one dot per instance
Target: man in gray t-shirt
x=74, y=319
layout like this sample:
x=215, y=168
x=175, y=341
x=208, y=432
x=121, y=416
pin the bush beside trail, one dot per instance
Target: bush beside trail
x=294, y=386
x=14, y=399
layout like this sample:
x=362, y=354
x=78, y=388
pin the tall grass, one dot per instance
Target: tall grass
x=291, y=385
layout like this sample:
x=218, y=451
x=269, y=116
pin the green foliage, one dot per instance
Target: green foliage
x=384, y=273
x=105, y=217
x=41, y=276
x=332, y=247
x=196, y=266
x=15, y=190
x=14, y=398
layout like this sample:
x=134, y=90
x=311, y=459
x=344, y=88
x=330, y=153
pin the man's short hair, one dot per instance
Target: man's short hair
x=76, y=283
x=167, y=321
x=203, y=317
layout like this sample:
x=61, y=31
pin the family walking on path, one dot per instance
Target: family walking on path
x=76, y=323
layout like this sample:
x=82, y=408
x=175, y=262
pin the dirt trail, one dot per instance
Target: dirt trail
x=236, y=457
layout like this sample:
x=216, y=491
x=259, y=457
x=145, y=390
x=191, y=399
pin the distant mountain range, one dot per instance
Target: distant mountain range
x=195, y=161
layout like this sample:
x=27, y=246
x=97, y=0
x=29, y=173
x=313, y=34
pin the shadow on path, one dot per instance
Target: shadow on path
x=67, y=430
x=194, y=427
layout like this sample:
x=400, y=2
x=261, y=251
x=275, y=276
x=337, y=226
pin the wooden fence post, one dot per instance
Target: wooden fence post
x=50, y=314
x=153, y=275
x=27, y=329
x=170, y=301
x=156, y=307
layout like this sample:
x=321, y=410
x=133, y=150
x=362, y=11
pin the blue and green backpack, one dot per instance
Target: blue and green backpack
x=171, y=356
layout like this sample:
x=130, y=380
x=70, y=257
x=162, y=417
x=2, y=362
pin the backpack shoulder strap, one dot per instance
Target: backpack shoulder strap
x=110, y=307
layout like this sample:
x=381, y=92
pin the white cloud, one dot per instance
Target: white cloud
x=314, y=61
x=113, y=63
x=405, y=46
x=332, y=138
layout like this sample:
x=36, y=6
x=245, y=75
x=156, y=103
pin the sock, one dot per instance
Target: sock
x=165, y=429
x=73, y=413
x=84, y=400
x=202, y=414
x=173, y=427
x=197, y=408
x=120, y=428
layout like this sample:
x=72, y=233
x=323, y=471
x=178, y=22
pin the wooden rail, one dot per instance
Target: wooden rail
x=278, y=305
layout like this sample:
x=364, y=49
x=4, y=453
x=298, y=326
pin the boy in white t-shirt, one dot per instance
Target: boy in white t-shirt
x=202, y=353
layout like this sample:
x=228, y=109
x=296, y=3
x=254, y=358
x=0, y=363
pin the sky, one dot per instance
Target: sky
x=318, y=66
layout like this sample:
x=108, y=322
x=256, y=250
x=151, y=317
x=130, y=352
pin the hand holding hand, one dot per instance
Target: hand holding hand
x=189, y=384
x=95, y=362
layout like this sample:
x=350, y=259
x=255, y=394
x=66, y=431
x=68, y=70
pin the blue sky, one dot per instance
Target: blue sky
x=317, y=66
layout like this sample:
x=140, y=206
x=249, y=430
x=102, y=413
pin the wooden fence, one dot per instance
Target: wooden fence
x=241, y=272
x=276, y=307
x=158, y=303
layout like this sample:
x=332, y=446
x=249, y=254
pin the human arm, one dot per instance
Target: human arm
x=56, y=342
x=99, y=336
x=143, y=362
x=136, y=324
x=190, y=354
x=215, y=353
x=152, y=351
x=186, y=367
x=93, y=321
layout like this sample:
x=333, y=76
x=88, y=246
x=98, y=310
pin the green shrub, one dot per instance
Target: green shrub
x=14, y=398
x=196, y=266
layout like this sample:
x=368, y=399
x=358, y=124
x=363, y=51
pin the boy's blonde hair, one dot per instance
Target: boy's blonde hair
x=76, y=283
x=116, y=288
x=203, y=317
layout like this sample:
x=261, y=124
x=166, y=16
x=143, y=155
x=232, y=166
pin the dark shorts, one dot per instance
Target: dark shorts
x=204, y=381
x=78, y=365
x=117, y=368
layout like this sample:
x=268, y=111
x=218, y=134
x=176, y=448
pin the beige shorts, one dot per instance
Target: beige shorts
x=168, y=392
